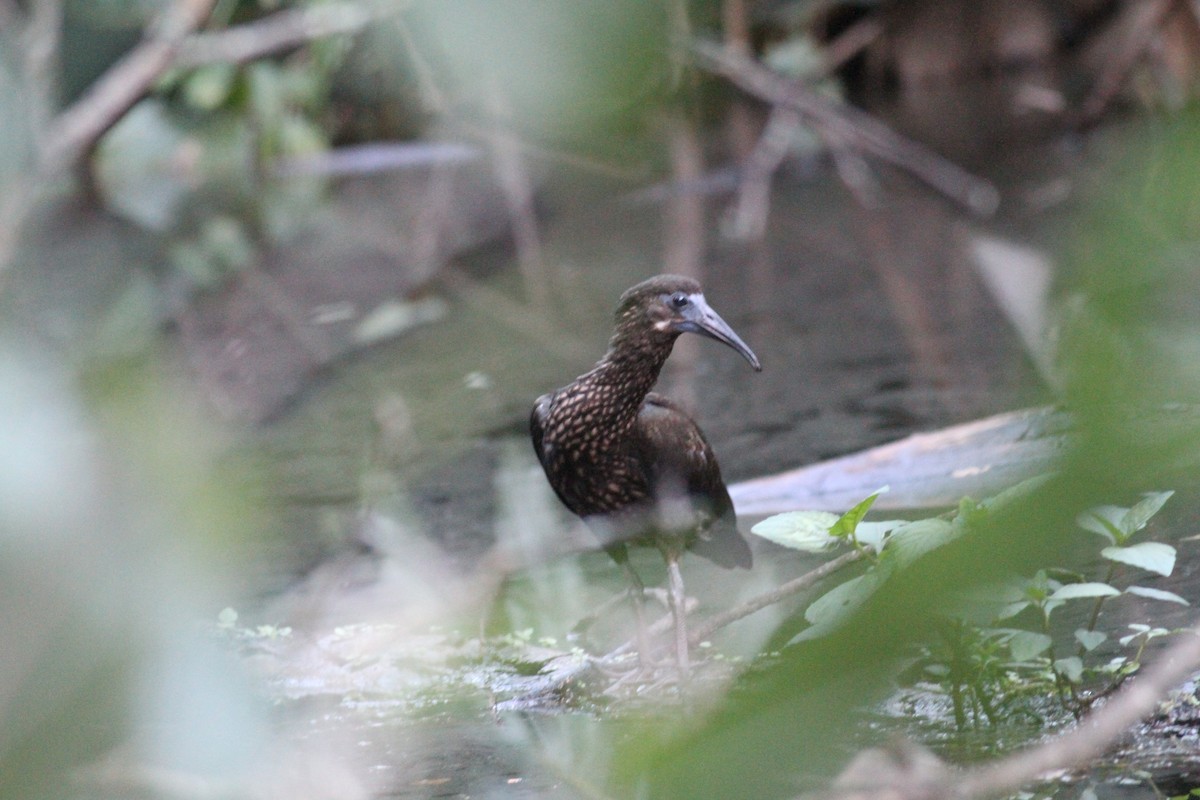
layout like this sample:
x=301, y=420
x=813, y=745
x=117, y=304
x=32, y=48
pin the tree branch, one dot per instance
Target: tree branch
x=74, y=132
x=1096, y=733
x=171, y=43
x=281, y=31
x=794, y=586
x=850, y=127
x=906, y=771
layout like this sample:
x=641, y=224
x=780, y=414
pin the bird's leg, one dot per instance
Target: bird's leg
x=637, y=595
x=678, y=600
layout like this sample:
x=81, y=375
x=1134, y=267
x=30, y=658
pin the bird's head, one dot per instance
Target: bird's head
x=668, y=305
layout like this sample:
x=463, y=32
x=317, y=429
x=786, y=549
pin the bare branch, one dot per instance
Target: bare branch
x=794, y=586
x=718, y=621
x=908, y=772
x=850, y=127
x=1097, y=732
x=171, y=43
x=75, y=131
x=281, y=31
x=1136, y=27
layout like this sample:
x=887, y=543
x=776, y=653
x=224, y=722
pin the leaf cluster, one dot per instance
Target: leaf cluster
x=998, y=649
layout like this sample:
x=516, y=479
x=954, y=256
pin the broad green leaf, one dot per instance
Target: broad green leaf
x=1018, y=494
x=874, y=533
x=1150, y=504
x=1104, y=520
x=1157, y=594
x=985, y=603
x=831, y=609
x=1142, y=630
x=1153, y=556
x=914, y=539
x=1090, y=639
x=845, y=524
x=1025, y=645
x=1075, y=591
x=1071, y=667
x=1118, y=524
x=839, y=601
x=1012, y=609
x=800, y=530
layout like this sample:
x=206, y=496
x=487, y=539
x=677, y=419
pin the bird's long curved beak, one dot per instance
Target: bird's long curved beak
x=703, y=320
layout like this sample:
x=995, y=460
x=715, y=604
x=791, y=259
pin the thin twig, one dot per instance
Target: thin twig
x=851, y=126
x=283, y=30
x=851, y=42
x=715, y=623
x=1142, y=21
x=748, y=220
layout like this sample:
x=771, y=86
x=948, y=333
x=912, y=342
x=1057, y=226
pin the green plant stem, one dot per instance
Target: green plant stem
x=1091, y=626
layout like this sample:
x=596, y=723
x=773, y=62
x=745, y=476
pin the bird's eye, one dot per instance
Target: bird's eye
x=679, y=300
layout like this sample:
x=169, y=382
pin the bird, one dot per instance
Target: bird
x=632, y=463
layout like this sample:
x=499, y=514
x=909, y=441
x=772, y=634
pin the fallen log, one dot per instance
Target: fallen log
x=925, y=470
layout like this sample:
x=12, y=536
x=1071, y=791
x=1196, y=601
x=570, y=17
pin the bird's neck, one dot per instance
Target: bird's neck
x=632, y=364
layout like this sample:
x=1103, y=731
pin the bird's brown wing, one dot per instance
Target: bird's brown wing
x=537, y=427
x=675, y=456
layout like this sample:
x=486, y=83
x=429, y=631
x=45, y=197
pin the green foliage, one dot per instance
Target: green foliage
x=197, y=161
x=817, y=531
x=993, y=672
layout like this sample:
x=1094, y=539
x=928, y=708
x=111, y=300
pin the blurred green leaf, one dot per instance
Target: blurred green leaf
x=1156, y=594
x=141, y=168
x=1140, y=514
x=1076, y=591
x=1118, y=524
x=1026, y=645
x=1090, y=639
x=875, y=532
x=1104, y=520
x=1071, y=667
x=831, y=609
x=914, y=539
x=799, y=530
x=209, y=87
x=1152, y=556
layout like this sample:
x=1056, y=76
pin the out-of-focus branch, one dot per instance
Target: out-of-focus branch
x=171, y=42
x=910, y=773
x=40, y=40
x=1097, y=732
x=714, y=623
x=708, y=627
x=850, y=127
x=1137, y=26
x=74, y=132
x=282, y=31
